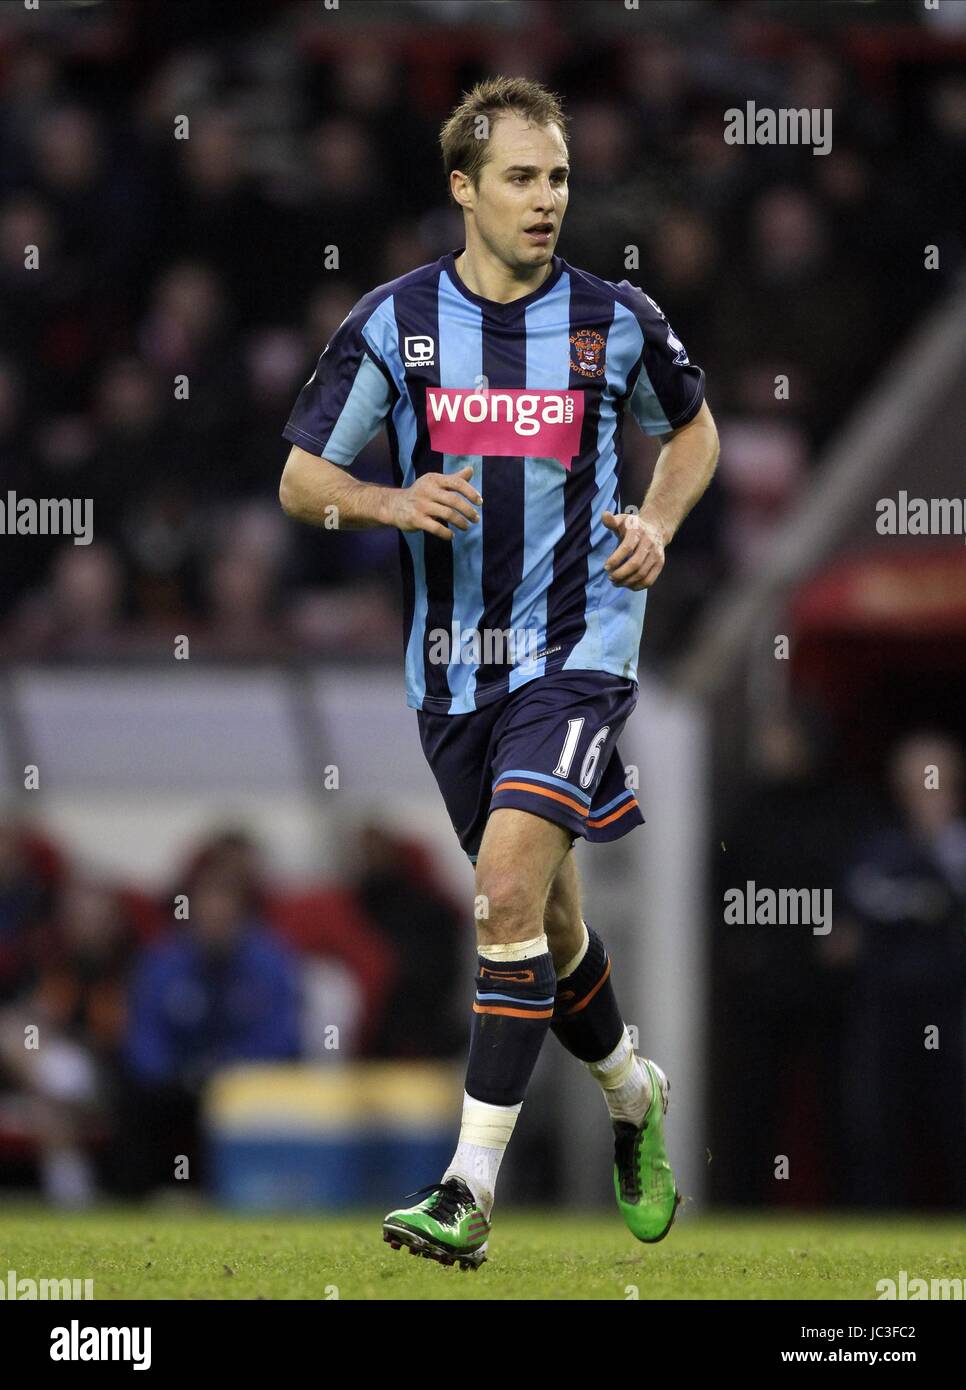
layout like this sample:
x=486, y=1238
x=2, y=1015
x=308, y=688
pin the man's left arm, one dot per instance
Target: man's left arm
x=683, y=470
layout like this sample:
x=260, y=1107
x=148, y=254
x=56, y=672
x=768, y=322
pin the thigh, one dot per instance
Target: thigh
x=519, y=858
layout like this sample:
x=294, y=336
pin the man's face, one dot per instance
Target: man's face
x=217, y=912
x=522, y=194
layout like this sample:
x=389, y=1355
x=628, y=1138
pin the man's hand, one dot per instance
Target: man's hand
x=681, y=474
x=639, y=558
x=435, y=502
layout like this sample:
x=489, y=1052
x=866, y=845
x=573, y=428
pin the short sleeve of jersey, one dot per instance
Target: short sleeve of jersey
x=347, y=397
x=664, y=388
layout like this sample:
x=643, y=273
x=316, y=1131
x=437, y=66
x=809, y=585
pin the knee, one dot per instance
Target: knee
x=507, y=907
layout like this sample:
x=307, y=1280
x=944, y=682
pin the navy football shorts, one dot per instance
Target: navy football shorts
x=549, y=748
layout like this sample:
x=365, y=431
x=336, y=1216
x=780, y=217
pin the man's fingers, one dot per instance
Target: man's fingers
x=449, y=515
x=623, y=552
x=455, y=482
x=648, y=577
x=641, y=577
x=634, y=567
x=448, y=497
x=433, y=528
x=632, y=570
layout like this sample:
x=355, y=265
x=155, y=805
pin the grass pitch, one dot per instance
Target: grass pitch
x=159, y=1254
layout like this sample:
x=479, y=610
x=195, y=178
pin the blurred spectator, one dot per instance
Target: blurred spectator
x=906, y=889
x=191, y=343
x=235, y=855
x=344, y=967
x=778, y=1015
x=765, y=458
x=27, y=875
x=218, y=990
x=397, y=892
x=211, y=208
x=132, y=426
x=77, y=1006
x=598, y=227
x=241, y=590
x=80, y=612
x=275, y=367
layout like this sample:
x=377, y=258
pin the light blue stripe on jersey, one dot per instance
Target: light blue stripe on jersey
x=615, y=617
x=381, y=333
x=602, y=810
x=368, y=400
x=548, y=369
x=544, y=777
x=514, y=999
x=461, y=365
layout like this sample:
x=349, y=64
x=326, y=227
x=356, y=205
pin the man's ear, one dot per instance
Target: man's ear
x=457, y=185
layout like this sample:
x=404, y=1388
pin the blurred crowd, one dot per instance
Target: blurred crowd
x=186, y=286
x=842, y=1049
x=117, y=1008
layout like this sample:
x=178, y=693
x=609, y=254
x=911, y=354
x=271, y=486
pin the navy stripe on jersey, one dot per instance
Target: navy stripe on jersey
x=406, y=568
x=504, y=364
x=561, y=367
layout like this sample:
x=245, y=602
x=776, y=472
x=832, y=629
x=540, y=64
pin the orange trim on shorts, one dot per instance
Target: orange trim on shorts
x=513, y=1013
x=541, y=791
x=587, y=997
x=614, y=815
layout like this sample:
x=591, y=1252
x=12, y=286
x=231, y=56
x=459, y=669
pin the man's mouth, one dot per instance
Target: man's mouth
x=540, y=231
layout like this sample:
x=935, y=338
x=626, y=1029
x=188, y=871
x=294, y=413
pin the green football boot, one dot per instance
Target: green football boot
x=447, y=1226
x=643, y=1182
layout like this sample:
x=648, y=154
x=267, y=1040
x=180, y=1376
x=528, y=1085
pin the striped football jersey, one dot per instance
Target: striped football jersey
x=533, y=395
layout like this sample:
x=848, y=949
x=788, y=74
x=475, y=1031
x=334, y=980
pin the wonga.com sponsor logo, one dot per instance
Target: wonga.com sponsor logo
x=507, y=423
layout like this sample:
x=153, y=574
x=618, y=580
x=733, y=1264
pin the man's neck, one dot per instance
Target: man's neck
x=490, y=278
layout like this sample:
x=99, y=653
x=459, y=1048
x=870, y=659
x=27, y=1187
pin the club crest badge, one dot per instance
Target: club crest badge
x=587, y=352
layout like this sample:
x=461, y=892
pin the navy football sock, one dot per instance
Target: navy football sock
x=511, y=1014
x=586, y=1019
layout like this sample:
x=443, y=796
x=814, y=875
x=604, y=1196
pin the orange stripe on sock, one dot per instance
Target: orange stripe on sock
x=621, y=811
x=541, y=791
x=576, y=1008
x=513, y=1013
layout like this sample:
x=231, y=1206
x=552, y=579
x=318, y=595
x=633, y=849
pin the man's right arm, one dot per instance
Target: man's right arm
x=316, y=491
